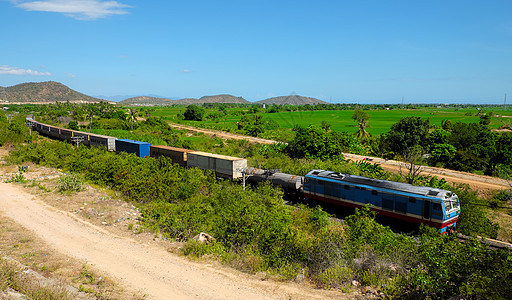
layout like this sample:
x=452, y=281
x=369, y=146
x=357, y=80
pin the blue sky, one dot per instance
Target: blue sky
x=339, y=51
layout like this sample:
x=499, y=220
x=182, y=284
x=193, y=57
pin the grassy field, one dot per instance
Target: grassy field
x=380, y=120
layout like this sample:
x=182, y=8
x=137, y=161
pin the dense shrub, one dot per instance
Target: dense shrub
x=70, y=182
x=13, y=131
x=314, y=142
x=444, y=268
x=255, y=231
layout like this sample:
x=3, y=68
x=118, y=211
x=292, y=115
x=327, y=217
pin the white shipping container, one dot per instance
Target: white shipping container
x=224, y=166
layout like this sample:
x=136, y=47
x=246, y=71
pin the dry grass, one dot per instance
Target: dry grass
x=30, y=252
x=504, y=218
x=72, y=278
x=16, y=279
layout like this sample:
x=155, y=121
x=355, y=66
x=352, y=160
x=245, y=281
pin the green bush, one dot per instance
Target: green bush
x=255, y=231
x=70, y=182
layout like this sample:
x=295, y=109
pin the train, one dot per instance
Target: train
x=404, y=202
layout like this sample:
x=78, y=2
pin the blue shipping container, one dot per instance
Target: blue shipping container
x=141, y=149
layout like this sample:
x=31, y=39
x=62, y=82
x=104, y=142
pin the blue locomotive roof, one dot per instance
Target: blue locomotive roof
x=386, y=184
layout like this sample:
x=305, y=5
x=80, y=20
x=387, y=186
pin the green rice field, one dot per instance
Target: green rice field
x=341, y=120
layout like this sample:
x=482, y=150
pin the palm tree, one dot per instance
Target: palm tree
x=133, y=113
x=362, y=122
x=89, y=114
x=361, y=133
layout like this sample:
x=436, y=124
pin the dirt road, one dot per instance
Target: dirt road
x=223, y=134
x=140, y=267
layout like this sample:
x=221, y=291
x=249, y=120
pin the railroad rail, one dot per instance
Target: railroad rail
x=491, y=243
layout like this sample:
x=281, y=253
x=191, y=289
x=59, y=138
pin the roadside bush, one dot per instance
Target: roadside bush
x=18, y=178
x=254, y=231
x=70, y=182
x=445, y=268
x=473, y=219
x=13, y=132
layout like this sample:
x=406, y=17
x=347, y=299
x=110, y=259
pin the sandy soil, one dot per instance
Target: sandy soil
x=143, y=267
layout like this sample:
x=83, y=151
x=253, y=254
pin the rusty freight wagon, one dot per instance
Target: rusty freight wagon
x=178, y=155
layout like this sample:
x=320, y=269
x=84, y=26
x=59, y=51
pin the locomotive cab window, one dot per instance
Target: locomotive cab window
x=455, y=202
x=374, y=192
x=436, y=206
x=447, y=205
x=346, y=187
x=412, y=200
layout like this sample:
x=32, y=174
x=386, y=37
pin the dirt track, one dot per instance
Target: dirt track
x=144, y=268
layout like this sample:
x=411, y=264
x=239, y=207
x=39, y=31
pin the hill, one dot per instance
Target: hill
x=292, y=100
x=145, y=100
x=43, y=92
x=213, y=99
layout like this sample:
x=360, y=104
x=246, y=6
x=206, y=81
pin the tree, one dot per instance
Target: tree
x=133, y=113
x=90, y=113
x=314, y=142
x=503, y=154
x=407, y=133
x=411, y=158
x=194, y=113
x=326, y=126
x=442, y=153
x=485, y=119
x=476, y=147
x=73, y=125
x=361, y=118
x=254, y=125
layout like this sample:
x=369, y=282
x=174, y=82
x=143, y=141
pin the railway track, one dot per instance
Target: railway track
x=491, y=243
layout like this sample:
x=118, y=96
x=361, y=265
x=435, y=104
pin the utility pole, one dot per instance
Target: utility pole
x=505, y=101
x=402, y=101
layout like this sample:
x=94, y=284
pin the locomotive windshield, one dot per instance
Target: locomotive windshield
x=451, y=203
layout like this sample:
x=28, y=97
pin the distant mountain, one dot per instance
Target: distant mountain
x=118, y=98
x=146, y=100
x=292, y=100
x=43, y=92
x=213, y=99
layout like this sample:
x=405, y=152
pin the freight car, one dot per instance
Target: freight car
x=85, y=138
x=98, y=140
x=434, y=207
x=178, y=155
x=141, y=149
x=287, y=181
x=224, y=166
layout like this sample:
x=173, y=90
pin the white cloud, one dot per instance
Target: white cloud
x=185, y=71
x=6, y=70
x=78, y=9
